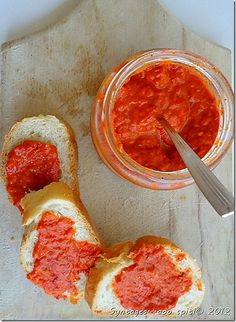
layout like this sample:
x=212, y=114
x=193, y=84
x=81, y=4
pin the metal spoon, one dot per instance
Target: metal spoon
x=214, y=191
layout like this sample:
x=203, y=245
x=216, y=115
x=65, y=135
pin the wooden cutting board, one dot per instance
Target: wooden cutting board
x=58, y=71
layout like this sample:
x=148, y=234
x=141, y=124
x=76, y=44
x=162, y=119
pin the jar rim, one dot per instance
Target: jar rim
x=221, y=87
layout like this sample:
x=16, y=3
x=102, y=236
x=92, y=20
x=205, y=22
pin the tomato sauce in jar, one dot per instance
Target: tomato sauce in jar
x=179, y=94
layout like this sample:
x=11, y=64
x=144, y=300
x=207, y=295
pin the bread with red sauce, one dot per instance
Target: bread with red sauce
x=151, y=276
x=59, y=244
x=46, y=130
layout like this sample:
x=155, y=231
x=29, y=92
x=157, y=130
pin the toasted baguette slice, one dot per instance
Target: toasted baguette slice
x=100, y=293
x=46, y=129
x=56, y=198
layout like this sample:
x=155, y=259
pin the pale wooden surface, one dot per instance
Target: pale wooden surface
x=58, y=71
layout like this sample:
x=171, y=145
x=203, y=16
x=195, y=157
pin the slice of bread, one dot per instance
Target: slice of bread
x=59, y=199
x=46, y=129
x=100, y=293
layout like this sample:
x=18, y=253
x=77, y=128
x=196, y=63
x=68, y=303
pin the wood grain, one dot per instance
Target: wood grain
x=58, y=71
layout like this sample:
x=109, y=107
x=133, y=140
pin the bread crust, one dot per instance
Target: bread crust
x=73, y=150
x=33, y=202
x=112, y=256
x=110, y=259
x=23, y=247
x=73, y=155
x=154, y=240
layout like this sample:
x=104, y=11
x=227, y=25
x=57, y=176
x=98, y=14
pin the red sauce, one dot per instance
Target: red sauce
x=199, y=285
x=59, y=258
x=177, y=93
x=153, y=282
x=180, y=257
x=31, y=166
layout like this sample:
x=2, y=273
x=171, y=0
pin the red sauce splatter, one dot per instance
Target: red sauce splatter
x=180, y=257
x=153, y=282
x=199, y=285
x=31, y=166
x=59, y=258
x=180, y=95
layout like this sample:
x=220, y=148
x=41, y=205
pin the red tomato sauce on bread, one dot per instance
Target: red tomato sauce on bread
x=175, y=92
x=31, y=166
x=153, y=282
x=59, y=259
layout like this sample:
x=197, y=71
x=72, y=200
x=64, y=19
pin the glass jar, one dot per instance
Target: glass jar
x=102, y=130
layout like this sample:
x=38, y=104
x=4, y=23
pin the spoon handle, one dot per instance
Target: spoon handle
x=214, y=191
